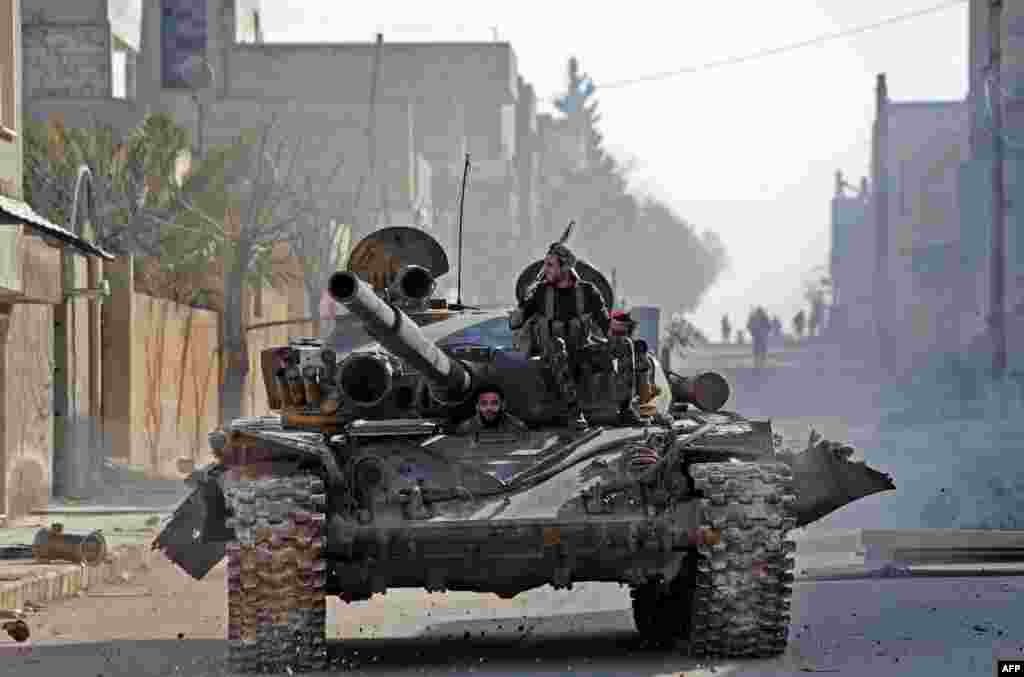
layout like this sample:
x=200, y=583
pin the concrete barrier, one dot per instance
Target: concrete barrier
x=859, y=552
x=27, y=581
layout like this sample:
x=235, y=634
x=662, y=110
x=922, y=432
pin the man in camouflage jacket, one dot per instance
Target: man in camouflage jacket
x=566, y=314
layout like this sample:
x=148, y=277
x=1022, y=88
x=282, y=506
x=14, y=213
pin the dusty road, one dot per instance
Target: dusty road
x=163, y=623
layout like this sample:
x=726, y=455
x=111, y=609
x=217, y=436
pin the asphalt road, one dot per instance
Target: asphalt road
x=162, y=623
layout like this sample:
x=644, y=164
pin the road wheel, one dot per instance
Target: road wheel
x=276, y=574
x=662, y=611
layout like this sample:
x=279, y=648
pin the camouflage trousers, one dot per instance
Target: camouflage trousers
x=563, y=370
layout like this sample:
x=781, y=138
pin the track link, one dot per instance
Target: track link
x=744, y=583
x=276, y=574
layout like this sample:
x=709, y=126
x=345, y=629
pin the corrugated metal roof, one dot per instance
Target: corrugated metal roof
x=24, y=212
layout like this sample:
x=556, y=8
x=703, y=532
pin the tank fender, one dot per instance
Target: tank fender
x=826, y=478
x=196, y=536
x=276, y=449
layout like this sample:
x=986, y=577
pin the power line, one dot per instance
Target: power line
x=780, y=50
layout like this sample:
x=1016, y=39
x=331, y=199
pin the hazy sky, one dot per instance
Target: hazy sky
x=747, y=150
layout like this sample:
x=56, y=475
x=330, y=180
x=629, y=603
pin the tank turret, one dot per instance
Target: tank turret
x=366, y=378
x=414, y=283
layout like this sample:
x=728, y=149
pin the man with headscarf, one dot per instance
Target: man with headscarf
x=624, y=326
x=566, y=314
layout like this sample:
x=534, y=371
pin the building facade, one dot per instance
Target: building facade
x=930, y=210
x=925, y=146
x=44, y=398
x=897, y=248
x=976, y=186
x=852, y=255
x=417, y=108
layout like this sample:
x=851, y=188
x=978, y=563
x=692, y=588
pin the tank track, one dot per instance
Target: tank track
x=744, y=583
x=276, y=574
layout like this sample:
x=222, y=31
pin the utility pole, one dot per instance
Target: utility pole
x=880, y=149
x=997, y=265
x=371, y=138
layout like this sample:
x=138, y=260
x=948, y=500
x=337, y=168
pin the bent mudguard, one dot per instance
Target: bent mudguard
x=196, y=536
x=826, y=479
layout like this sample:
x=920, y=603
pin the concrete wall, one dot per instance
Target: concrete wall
x=1012, y=80
x=27, y=380
x=62, y=11
x=66, y=48
x=161, y=370
x=852, y=261
x=120, y=114
x=177, y=383
x=331, y=134
x=453, y=90
x=928, y=143
x=485, y=72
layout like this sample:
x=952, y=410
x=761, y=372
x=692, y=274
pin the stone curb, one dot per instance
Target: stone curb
x=980, y=569
x=67, y=580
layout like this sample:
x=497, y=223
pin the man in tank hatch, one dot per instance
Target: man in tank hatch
x=491, y=414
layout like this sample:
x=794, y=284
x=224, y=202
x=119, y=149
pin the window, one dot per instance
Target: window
x=8, y=70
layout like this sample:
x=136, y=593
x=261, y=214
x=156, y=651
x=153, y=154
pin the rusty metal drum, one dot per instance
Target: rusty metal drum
x=56, y=544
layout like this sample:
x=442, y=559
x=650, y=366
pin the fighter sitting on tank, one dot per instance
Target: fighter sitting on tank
x=623, y=326
x=565, y=318
x=491, y=415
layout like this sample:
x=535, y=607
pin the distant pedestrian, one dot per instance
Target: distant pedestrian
x=726, y=329
x=799, y=320
x=817, y=323
x=759, y=325
x=776, y=326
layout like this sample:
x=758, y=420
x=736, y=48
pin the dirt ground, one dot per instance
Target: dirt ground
x=161, y=602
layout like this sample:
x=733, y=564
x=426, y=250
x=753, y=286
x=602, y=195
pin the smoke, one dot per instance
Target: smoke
x=663, y=261
x=951, y=440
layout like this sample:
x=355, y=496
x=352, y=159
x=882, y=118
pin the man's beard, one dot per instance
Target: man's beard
x=493, y=421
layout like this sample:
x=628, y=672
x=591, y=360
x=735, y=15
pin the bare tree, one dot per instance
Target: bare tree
x=321, y=242
x=266, y=199
x=681, y=334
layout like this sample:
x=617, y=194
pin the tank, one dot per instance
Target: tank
x=363, y=480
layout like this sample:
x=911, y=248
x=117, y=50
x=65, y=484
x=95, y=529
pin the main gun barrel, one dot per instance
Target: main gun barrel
x=451, y=381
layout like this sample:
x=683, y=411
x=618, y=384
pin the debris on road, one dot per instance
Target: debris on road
x=13, y=623
x=56, y=544
x=121, y=593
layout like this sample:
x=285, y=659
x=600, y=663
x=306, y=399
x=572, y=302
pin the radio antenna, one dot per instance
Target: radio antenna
x=462, y=203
